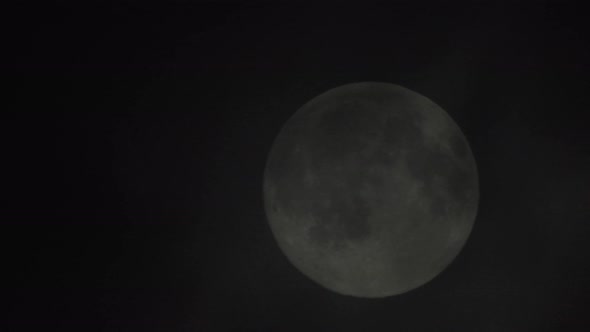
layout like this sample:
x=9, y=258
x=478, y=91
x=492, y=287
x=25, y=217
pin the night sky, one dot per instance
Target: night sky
x=136, y=135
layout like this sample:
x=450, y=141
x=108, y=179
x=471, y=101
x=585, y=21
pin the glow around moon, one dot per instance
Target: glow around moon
x=371, y=189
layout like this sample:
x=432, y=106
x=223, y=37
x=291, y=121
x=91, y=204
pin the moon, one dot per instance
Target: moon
x=371, y=189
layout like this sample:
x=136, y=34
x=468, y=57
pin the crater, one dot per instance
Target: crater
x=340, y=221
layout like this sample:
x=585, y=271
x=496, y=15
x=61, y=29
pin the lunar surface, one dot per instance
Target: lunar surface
x=371, y=189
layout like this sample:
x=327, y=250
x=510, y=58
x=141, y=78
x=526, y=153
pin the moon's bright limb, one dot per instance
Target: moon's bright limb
x=371, y=189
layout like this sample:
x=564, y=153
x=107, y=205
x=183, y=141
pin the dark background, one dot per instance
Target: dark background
x=136, y=133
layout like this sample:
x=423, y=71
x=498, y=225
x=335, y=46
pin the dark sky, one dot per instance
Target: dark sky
x=136, y=134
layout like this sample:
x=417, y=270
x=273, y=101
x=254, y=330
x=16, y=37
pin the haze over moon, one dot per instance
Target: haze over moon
x=371, y=189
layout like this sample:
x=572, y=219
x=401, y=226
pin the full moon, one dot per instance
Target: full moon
x=371, y=189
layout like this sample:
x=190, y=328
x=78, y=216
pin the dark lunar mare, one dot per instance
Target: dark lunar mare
x=377, y=173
